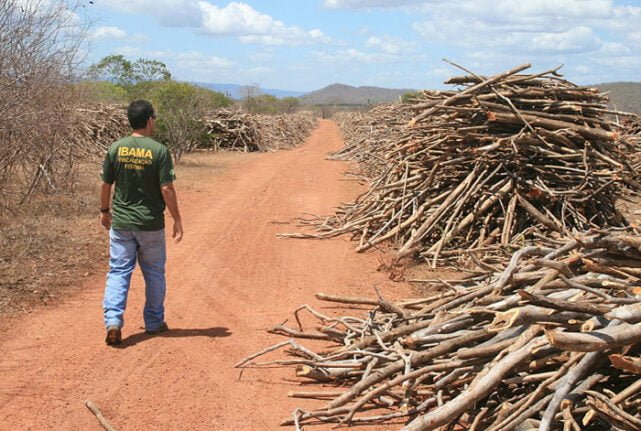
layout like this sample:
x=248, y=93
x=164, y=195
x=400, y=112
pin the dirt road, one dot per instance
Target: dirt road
x=228, y=280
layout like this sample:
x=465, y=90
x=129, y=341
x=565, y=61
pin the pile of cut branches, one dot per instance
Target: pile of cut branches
x=100, y=125
x=97, y=127
x=368, y=134
x=550, y=342
x=235, y=130
x=285, y=131
x=633, y=128
x=489, y=167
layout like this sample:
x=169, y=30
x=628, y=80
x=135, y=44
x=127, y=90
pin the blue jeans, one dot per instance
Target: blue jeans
x=125, y=247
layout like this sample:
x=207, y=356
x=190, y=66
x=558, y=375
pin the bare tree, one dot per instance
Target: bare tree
x=41, y=47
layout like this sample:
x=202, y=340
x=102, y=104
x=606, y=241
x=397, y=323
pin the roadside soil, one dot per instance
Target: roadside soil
x=48, y=245
x=229, y=280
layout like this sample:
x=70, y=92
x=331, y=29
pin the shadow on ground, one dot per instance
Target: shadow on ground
x=215, y=332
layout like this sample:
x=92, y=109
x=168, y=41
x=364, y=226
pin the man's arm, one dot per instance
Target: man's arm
x=171, y=200
x=105, y=199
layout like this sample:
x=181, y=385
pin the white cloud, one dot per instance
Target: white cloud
x=236, y=19
x=251, y=26
x=492, y=9
x=262, y=56
x=390, y=44
x=536, y=10
x=169, y=13
x=259, y=70
x=369, y=4
x=577, y=39
x=108, y=32
x=352, y=55
x=537, y=26
x=196, y=65
x=197, y=60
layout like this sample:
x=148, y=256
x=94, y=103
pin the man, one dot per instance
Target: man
x=143, y=173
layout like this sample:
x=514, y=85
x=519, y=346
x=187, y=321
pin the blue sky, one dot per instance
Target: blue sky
x=308, y=44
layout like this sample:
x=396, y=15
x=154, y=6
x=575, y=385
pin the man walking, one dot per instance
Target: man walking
x=143, y=173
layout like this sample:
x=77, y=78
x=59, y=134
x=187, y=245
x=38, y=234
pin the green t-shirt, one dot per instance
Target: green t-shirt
x=139, y=166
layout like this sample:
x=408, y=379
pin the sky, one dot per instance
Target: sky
x=304, y=45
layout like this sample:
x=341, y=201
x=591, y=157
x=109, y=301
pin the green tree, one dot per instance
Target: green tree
x=410, y=97
x=101, y=92
x=180, y=106
x=119, y=70
x=179, y=109
x=114, y=68
x=213, y=99
x=150, y=70
x=289, y=105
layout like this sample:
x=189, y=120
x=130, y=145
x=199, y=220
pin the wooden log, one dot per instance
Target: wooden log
x=600, y=340
x=626, y=363
x=346, y=299
x=566, y=385
x=479, y=389
x=586, y=132
x=558, y=304
x=415, y=361
x=531, y=315
x=612, y=413
x=465, y=94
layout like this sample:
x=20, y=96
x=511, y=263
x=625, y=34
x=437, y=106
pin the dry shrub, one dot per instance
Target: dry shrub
x=40, y=50
x=41, y=240
x=50, y=243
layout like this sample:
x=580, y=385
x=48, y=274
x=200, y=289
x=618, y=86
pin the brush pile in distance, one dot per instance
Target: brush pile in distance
x=235, y=130
x=551, y=342
x=503, y=161
x=97, y=127
x=100, y=125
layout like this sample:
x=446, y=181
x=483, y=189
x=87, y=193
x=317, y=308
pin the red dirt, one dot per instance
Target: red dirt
x=228, y=281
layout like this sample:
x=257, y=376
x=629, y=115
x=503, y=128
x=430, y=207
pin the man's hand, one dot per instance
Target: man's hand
x=178, y=231
x=105, y=220
x=169, y=195
x=105, y=197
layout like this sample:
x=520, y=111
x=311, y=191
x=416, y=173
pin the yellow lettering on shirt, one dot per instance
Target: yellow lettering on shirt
x=135, y=158
x=140, y=153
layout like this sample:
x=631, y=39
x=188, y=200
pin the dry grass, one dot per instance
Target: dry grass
x=49, y=245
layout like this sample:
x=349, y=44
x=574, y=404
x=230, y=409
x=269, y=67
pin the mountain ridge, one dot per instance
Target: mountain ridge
x=343, y=94
x=624, y=96
x=237, y=91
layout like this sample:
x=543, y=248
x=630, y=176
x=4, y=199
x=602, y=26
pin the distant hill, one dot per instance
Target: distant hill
x=341, y=94
x=624, y=96
x=237, y=92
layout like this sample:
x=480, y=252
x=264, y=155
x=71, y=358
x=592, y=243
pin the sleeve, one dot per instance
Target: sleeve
x=166, y=172
x=108, y=175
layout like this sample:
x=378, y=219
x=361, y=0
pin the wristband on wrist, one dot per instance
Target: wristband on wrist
x=104, y=210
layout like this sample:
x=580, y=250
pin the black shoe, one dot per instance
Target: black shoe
x=162, y=328
x=114, y=336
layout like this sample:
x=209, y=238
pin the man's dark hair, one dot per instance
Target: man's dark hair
x=138, y=112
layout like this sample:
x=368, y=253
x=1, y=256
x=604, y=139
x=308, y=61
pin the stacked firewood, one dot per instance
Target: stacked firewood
x=551, y=342
x=285, y=131
x=97, y=127
x=633, y=128
x=368, y=134
x=231, y=129
x=235, y=130
x=100, y=125
x=502, y=161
